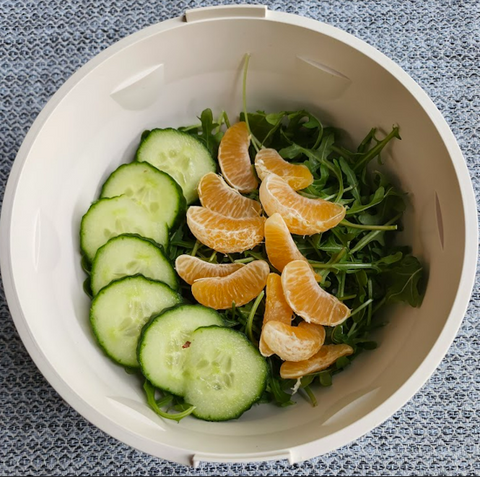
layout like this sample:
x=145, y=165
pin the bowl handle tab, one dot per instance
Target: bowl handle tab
x=242, y=458
x=226, y=11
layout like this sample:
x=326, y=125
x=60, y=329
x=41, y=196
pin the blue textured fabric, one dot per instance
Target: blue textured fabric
x=437, y=42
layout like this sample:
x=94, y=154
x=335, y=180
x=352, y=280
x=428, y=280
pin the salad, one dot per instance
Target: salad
x=249, y=286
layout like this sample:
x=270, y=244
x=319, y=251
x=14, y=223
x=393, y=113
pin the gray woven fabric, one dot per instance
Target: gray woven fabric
x=437, y=42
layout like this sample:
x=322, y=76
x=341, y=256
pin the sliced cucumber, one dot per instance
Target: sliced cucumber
x=108, y=218
x=163, y=345
x=127, y=255
x=159, y=194
x=225, y=374
x=121, y=309
x=178, y=154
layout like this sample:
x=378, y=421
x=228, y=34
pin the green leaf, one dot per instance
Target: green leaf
x=291, y=152
x=274, y=118
x=351, y=178
x=325, y=378
x=342, y=362
x=259, y=125
x=207, y=136
x=404, y=282
x=376, y=150
x=375, y=199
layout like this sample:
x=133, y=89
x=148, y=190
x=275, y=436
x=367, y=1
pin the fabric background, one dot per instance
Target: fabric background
x=437, y=42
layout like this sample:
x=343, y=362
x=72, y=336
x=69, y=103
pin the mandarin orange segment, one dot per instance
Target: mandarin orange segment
x=308, y=299
x=239, y=287
x=269, y=161
x=225, y=234
x=276, y=308
x=234, y=159
x=293, y=343
x=191, y=268
x=323, y=359
x=302, y=215
x=216, y=195
x=279, y=244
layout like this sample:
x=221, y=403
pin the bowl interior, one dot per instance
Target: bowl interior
x=166, y=77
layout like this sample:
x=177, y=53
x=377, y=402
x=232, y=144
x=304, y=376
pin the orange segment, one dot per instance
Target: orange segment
x=234, y=159
x=281, y=248
x=308, y=299
x=216, y=195
x=192, y=268
x=269, y=161
x=303, y=216
x=225, y=234
x=293, y=343
x=240, y=287
x=276, y=308
x=327, y=355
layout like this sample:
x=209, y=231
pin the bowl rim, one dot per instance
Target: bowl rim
x=306, y=450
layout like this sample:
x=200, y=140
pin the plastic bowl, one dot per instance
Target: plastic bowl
x=163, y=76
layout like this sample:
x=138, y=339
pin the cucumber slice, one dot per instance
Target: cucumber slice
x=178, y=154
x=108, y=218
x=225, y=374
x=127, y=255
x=159, y=194
x=163, y=345
x=121, y=309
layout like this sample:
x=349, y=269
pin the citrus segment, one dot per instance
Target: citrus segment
x=302, y=215
x=239, y=287
x=234, y=159
x=293, y=343
x=323, y=359
x=308, y=299
x=269, y=161
x=216, y=195
x=281, y=248
x=191, y=268
x=276, y=308
x=225, y=234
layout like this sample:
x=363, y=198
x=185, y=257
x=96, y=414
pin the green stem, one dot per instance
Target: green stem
x=344, y=152
x=346, y=297
x=251, y=316
x=341, y=266
x=379, y=305
x=370, y=306
x=346, y=223
x=244, y=94
x=195, y=248
x=361, y=307
x=371, y=236
x=224, y=118
x=376, y=150
x=213, y=256
x=364, y=145
x=334, y=260
x=330, y=197
x=272, y=131
x=189, y=128
x=311, y=396
x=341, y=286
x=244, y=260
x=165, y=401
x=150, y=392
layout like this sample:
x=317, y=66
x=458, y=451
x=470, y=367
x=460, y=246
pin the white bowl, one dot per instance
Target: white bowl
x=164, y=76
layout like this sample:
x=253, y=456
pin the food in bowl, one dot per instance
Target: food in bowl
x=265, y=307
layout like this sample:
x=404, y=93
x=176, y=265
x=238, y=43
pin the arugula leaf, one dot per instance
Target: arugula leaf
x=367, y=270
x=404, y=282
